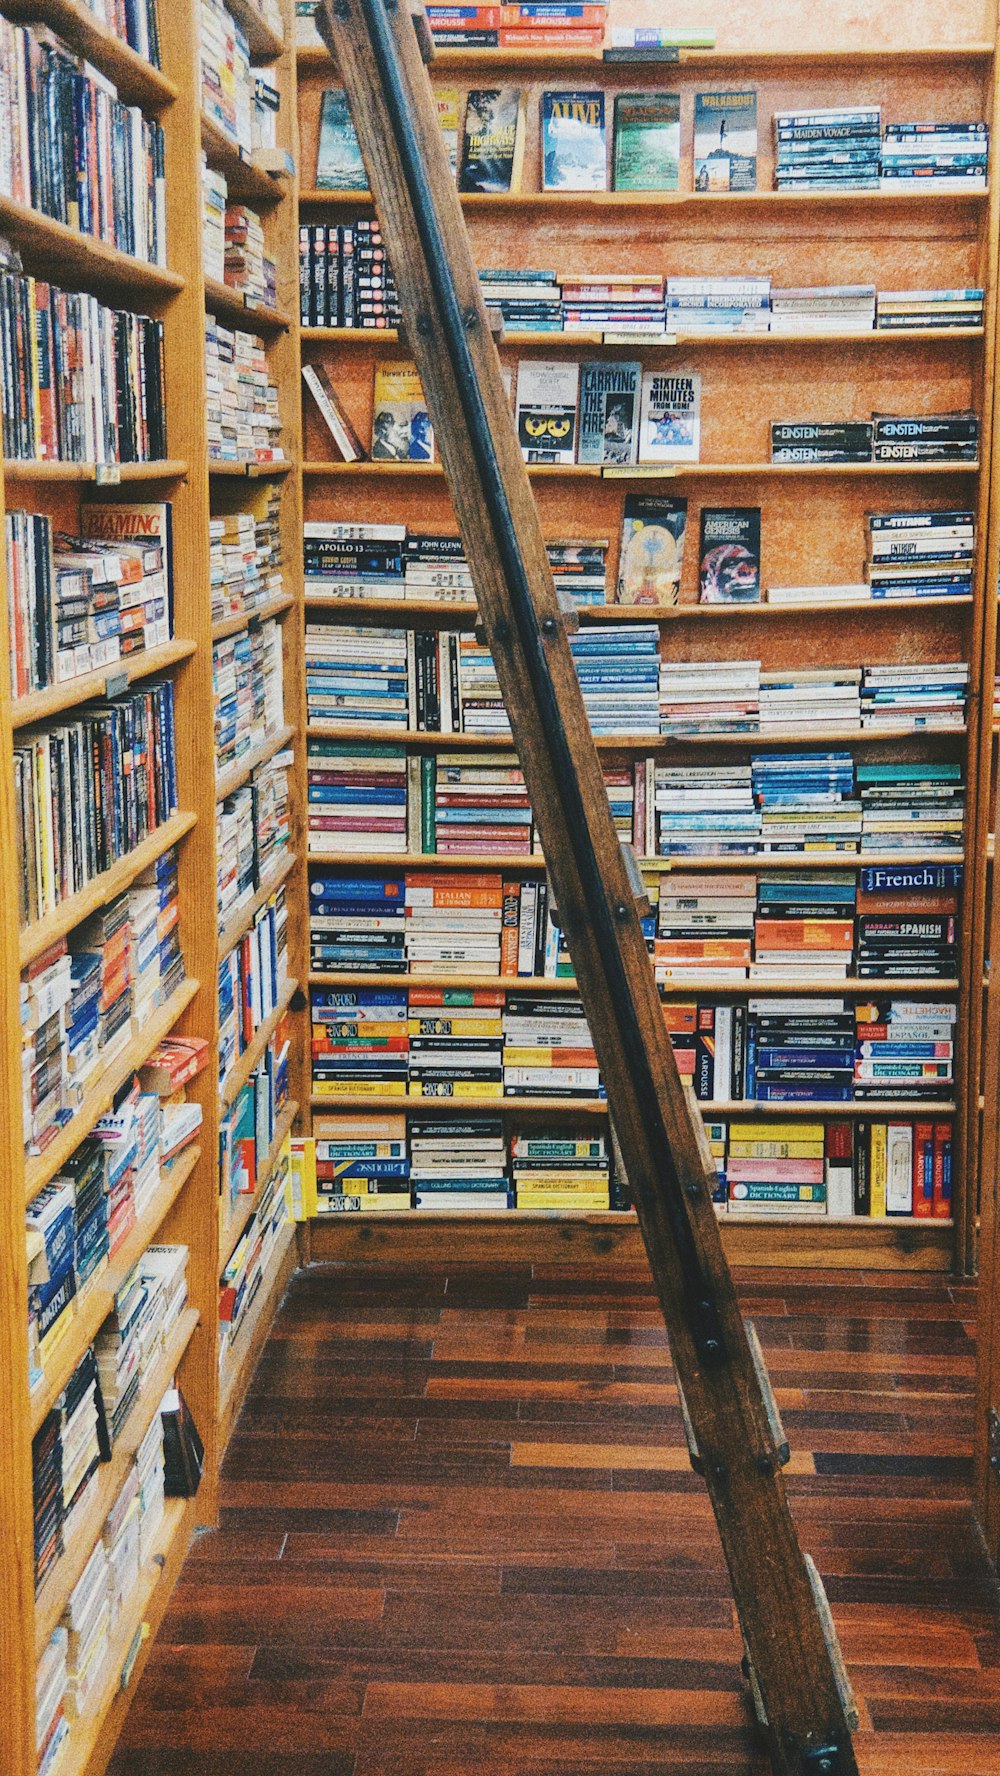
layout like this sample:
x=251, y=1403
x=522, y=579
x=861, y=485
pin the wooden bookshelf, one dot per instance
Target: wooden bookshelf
x=654, y=472
x=548, y=344
x=710, y=202
x=412, y=613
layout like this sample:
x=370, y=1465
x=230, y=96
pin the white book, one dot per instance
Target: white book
x=547, y=401
x=670, y=416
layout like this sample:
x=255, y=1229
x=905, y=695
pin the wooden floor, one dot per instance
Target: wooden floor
x=459, y=1536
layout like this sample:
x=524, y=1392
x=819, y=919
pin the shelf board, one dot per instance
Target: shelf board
x=148, y=1599
x=36, y=938
x=233, y=1220
x=98, y=1299
x=744, y=61
x=248, y=471
x=406, y=612
x=242, y=919
x=235, y=775
x=53, y=250
x=275, y=607
x=45, y=1166
x=245, y=1063
x=771, y=860
x=69, y=692
x=245, y=183
x=385, y=733
x=239, y=1365
x=136, y=80
x=60, y=1581
x=673, y=341
x=624, y=1218
x=589, y=202
x=230, y=306
x=266, y=44
x=106, y=474
x=816, y=986
x=360, y=1104
x=649, y=472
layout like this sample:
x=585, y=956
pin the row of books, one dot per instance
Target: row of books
x=508, y=25
x=909, y=554
x=245, y=557
x=70, y=149
x=845, y=148
x=243, y=424
x=253, y=1261
x=473, y=1042
x=386, y=1164
x=736, y=697
x=87, y=791
x=134, y=21
x=247, y=1125
x=253, y=835
x=251, y=979
x=247, y=690
x=77, y=604
x=625, y=42
x=886, y=438
x=234, y=249
x=84, y=999
x=719, y=930
x=239, y=99
x=80, y=382
x=345, y=279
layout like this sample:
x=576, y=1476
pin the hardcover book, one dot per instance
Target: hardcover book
x=729, y=571
x=647, y=150
x=725, y=141
x=339, y=166
x=670, y=418
x=493, y=142
x=609, y=412
x=401, y=426
x=652, y=549
x=547, y=394
x=574, y=150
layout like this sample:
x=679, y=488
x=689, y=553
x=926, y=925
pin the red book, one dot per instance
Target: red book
x=923, y=1168
x=941, y=1200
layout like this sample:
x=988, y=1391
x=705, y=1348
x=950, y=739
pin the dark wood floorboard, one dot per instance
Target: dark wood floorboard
x=459, y=1534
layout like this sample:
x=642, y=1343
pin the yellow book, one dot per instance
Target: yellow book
x=301, y=1178
x=459, y=1088
x=360, y=1204
x=443, y=1025
x=368, y=1127
x=586, y=1181
x=776, y=1131
x=776, y=1150
x=877, y=1170
x=555, y=1199
x=401, y=426
x=359, y=1088
x=449, y=109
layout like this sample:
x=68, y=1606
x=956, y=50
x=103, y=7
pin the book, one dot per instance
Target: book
x=574, y=150
x=647, y=145
x=319, y=383
x=401, y=426
x=339, y=166
x=725, y=141
x=651, y=552
x=609, y=411
x=493, y=140
x=449, y=108
x=670, y=416
x=547, y=396
x=729, y=562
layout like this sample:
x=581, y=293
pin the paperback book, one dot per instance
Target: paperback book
x=401, y=426
x=318, y=381
x=729, y=570
x=609, y=412
x=725, y=141
x=670, y=418
x=647, y=151
x=339, y=166
x=574, y=150
x=547, y=392
x=493, y=142
x=652, y=549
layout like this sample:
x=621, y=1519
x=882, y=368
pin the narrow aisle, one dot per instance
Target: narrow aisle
x=459, y=1533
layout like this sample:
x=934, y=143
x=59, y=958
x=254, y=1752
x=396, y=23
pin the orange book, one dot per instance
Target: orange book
x=703, y=949
x=804, y=934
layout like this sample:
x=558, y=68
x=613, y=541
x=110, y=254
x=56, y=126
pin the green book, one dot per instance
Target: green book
x=339, y=166
x=647, y=152
x=428, y=824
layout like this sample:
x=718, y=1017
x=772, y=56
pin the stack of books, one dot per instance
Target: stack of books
x=908, y=932
x=51, y=1724
x=434, y=567
x=911, y=807
x=458, y=1052
x=806, y=801
x=937, y=156
x=835, y=149
x=780, y=1166
x=357, y=923
x=709, y=696
x=526, y=301
x=617, y=305
x=927, y=309
x=481, y=702
x=453, y=923
x=51, y=1230
x=560, y=1169
x=480, y=806
x=214, y=193
x=620, y=785
x=356, y=675
x=704, y=928
x=706, y=810
x=245, y=560
x=924, y=696
x=921, y=554
x=796, y=700
x=226, y=74
x=359, y=1042
x=460, y=1166
x=903, y=1168
x=619, y=673
x=118, y=1351
x=250, y=980
x=47, y=1495
x=823, y=308
x=353, y=560
x=532, y=944
x=149, y=1470
x=548, y=1051
x=345, y=279
x=799, y=1050
x=905, y=1049
x=86, y=1169
x=248, y=689
x=362, y=1161
x=87, y=1620
x=804, y=927
x=357, y=797
x=821, y=441
x=579, y=568
x=81, y=1411
x=926, y=437
x=506, y=24
x=249, y=1268
x=244, y=423
x=718, y=305
x=247, y=268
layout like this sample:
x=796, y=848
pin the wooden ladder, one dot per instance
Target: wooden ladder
x=793, y=1663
